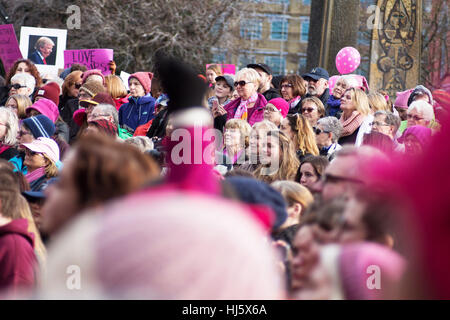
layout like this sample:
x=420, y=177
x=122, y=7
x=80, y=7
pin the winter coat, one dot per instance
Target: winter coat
x=272, y=93
x=255, y=114
x=136, y=112
x=67, y=106
x=17, y=257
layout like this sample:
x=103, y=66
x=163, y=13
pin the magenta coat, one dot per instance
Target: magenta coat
x=255, y=114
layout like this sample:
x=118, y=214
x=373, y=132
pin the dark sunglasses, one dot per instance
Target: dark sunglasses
x=77, y=85
x=16, y=86
x=309, y=110
x=240, y=83
x=319, y=131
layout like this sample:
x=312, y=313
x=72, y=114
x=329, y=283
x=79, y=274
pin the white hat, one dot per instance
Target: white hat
x=46, y=146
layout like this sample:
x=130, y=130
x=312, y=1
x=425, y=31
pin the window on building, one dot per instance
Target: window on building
x=306, y=2
x=279, y=29
x=219, y=57
x=276, y=63
x=304, y=25
x=244, y=60
x=251, y=29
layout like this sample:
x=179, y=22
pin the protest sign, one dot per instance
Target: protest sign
x=9, y=47
x=91, y=58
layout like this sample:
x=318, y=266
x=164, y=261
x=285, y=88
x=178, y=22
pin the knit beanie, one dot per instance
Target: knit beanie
x=50, y=91
x=105, y=126
x=423, y=134
x=92, y=72
x=420, y=90
x=92, y=88
x=145, y=78
x=46, y=107
x=402, y=99
x=40, y=126
x=281, y=104
x=104, y=97
x=79, y=116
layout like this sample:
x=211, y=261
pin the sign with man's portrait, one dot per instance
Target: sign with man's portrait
x=43, y=46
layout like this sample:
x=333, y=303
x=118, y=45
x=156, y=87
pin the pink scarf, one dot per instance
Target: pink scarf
x=36, y=174
x=293, y=102
x=241, y=111
x=351, y=123
x=3, y=148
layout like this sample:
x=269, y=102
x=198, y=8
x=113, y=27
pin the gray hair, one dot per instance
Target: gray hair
x=350, y=80
x=391, y=119
x=333, y=125
x=107, y=110
x=143, y=143
x=423, y=107
x=12, y=126
x=42, y=41
x=24, y=79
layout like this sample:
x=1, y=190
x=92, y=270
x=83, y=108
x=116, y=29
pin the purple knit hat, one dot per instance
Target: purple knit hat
x=402, y=99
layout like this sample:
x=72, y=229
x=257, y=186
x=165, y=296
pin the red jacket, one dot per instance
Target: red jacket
x=17, y=258
x=255, y=114
x=120, y=101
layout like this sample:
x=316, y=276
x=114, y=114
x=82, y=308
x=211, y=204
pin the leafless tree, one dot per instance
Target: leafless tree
x=137, y=29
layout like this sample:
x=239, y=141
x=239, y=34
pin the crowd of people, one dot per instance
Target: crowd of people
x=220, y=186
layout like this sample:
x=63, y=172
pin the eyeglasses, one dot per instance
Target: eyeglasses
x=287, y=85
x=309, y=110
x=271, y=109
x=319, y=131
x=378, y=124
x=241, y=83
x=329, y=178
x=415, y=118
x=16, y=86
x=77, y=85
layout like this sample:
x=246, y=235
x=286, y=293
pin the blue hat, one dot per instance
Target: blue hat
x=316, y=74
x=33, y=195
x=40, y=126
x=253, y=191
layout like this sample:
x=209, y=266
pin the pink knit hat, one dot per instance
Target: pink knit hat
x=402, y=99
x=361, y=263
x=46, y=107
x=423, y=134
x=79, y=116
x=89, y=73
x=145, y=78
x=281, y=104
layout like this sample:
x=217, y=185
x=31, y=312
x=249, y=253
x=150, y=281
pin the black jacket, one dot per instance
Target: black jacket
x=272, y=93
x=67, y=106
x=158, y=127
x=324, y=97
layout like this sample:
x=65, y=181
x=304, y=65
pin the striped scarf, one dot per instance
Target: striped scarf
x=351, y=123
x=241, y=111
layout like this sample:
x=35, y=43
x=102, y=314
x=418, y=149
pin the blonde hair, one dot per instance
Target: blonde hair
x=294, y=192
x=23, y=102
x=377, y=102
x=318, y=103
x=288, y=161
x=251, y=74
x=305, y=138
x=24, y=211
x=71, y=79
x=216, y=68
x=12, y=126
x=51, y=170
x=360, y=100
x=115, y=86
x=244, y=129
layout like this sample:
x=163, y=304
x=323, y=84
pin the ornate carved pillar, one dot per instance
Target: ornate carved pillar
x=396, y=46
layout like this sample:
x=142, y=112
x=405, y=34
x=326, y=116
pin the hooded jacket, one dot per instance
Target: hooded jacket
x=136, y=112
x=17, y=258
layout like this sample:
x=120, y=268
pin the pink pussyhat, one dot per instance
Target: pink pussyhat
x=402, y=99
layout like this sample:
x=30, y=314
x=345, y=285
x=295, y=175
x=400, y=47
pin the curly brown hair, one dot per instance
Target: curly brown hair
x=33, y=71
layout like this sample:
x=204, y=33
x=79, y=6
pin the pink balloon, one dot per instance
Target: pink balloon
x=347, y=60
x=332, y=82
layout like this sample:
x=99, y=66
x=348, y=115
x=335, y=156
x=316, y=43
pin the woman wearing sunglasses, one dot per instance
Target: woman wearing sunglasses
x=250, y=104
x=22, y=83
x=41, y=157
x=328, y=131
x=312, y=109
